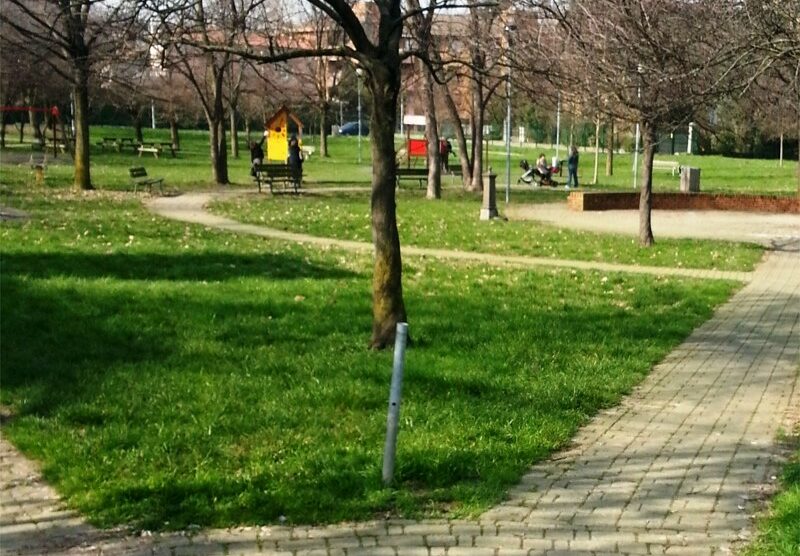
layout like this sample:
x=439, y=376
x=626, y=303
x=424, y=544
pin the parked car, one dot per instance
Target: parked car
x=351, y=128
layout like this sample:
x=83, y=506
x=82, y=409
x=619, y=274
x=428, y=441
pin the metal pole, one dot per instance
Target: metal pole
x=508, y=135
x=402, y=113
x=358, y=76
x=72, y=113
x=558, y=124
x=393, y=415
x=636, y=158
x=638, y=134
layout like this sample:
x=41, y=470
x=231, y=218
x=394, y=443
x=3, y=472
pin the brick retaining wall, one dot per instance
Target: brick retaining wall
x=590, y=200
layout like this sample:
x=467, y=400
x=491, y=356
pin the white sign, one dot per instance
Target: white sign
x=411, y=119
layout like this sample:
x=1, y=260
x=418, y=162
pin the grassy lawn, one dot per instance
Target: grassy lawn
x=166, y=374
x=191, y=169
x=779, y=529
x=454, y=224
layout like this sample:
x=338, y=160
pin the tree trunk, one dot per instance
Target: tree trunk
x=461, y=139
x=173, y=133
x=234, y=134
x=610, y=149
x=22, y=130
x=37, y=131
x=137, y=127
x=80, y=91
x=219, y=155
x=2, y=130
x=221, y=164
x=646, y=195
x=387, y=290
x=323, y=130
x=798, y=145
x=477, y=134
x=432, y=138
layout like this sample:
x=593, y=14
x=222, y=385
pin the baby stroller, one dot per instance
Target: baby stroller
x=532, y=175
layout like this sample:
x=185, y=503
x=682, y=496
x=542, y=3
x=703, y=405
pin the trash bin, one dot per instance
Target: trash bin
x=690, y=180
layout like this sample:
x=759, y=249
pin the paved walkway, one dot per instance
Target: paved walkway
x=762, y=228
x=677, y=468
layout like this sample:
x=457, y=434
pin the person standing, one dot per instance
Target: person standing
x=445, y=150
x=572, y=167
x=295, y=160
x=256, y=154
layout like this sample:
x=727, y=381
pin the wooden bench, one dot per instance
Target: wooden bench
x=139, y=177
x=670, y=165
x=419, y=174
x=60, y=145
x=108, y=142
x=127, y=142
x=149, y=148
x=276, y=173
x=156, y=149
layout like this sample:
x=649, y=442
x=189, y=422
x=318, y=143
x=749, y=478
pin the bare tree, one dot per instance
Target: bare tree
x=773, y=37
x=377, y=51
x=635, y=54
x=421, y=25
x=77, y=35
x=197, y=38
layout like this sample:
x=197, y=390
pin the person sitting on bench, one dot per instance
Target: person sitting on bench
x=256, y=154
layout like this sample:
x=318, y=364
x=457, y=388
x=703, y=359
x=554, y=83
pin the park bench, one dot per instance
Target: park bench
x=307, y=152
x=107, y=142
x=670, y=165
x=129, y=142
x=60, y=145
x=139, y=177
x=419, y=174
x=110, y=143
x=117, y=143
x=152, y=148
x=276, y=173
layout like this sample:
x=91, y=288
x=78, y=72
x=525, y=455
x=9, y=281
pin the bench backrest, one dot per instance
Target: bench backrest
x=274, y=169
x=138, y=172
x=412, y=171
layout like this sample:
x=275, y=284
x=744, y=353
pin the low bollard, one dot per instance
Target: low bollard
x=393, y=415
x=489, y=205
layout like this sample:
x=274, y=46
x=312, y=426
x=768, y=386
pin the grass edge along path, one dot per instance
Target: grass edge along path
x=452, y=224
x=162, y=372
x=192, y=208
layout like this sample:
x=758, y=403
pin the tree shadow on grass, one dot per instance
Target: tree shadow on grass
x=213, y=266
x=61, y=339
x=470, y=448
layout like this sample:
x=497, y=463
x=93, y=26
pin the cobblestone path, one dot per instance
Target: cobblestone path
x=677, y=468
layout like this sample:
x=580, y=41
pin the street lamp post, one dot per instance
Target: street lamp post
x=508, y=29
x=359, y=72
x=636, y=158
x=638, y=135
x=558, y=124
